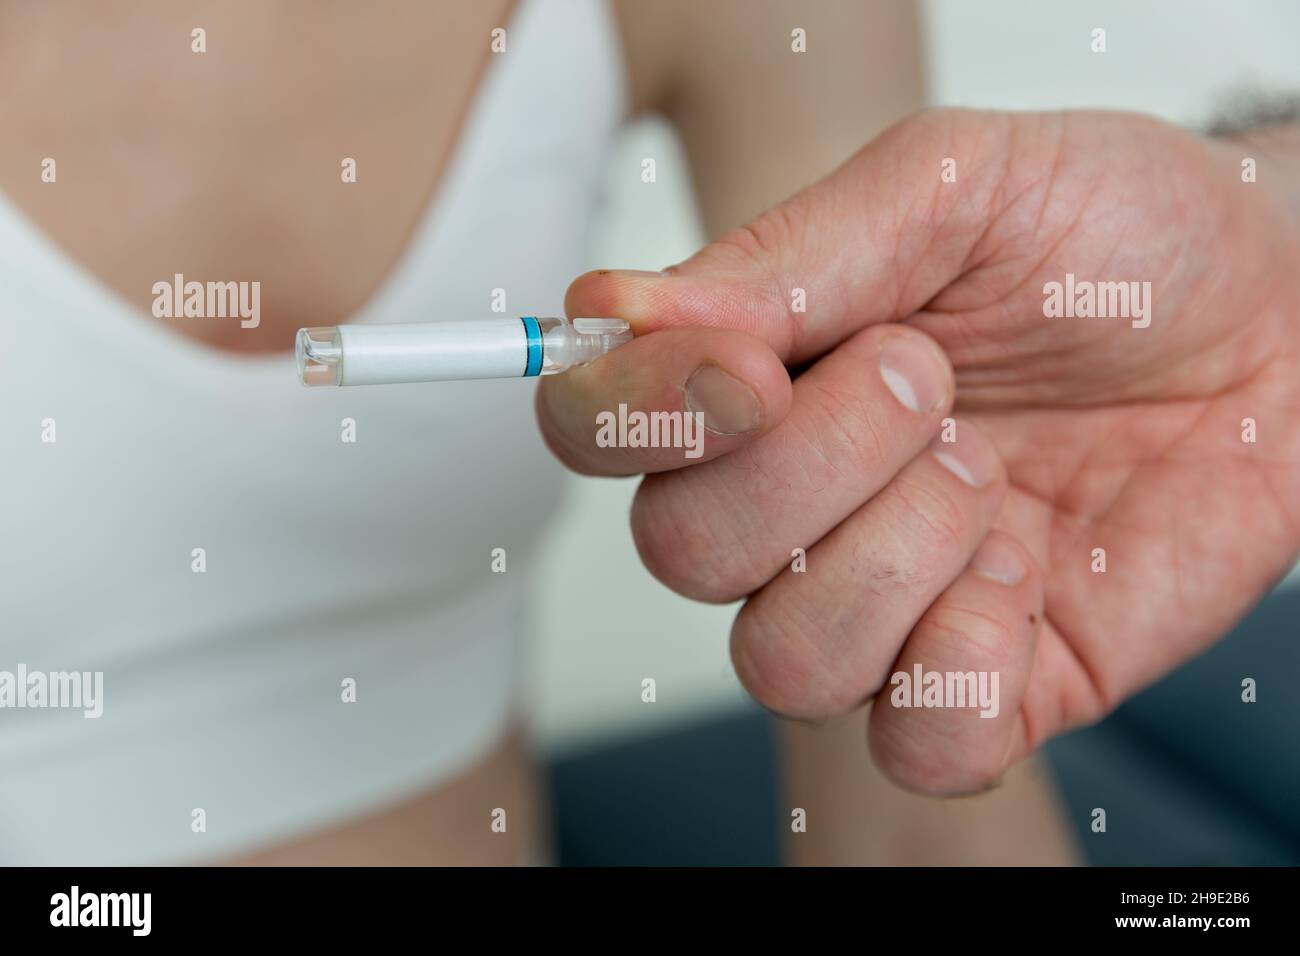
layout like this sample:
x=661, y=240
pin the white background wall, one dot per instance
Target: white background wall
x=605, y=624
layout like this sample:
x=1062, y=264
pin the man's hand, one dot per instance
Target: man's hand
x=1103, y=513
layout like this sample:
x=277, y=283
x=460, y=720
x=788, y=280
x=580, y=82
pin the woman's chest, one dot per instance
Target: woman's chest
x=296, y=163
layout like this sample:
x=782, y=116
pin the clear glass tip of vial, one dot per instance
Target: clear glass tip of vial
x=319, y=354
x=586, y=340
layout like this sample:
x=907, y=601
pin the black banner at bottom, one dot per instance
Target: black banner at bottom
x=370, y=906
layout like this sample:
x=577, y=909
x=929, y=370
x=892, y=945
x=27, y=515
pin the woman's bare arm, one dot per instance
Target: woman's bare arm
x=757, y=119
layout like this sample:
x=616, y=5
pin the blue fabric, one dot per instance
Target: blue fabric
x=701, y=796
x=1187, y=772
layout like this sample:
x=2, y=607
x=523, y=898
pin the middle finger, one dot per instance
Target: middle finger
x=720, y=530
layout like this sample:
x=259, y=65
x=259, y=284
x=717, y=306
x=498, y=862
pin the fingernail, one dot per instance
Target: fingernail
x=970, y=457
x=999, y=561
x=730, y=406
x=914, y=371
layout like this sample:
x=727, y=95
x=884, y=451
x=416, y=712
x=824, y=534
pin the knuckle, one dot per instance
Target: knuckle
x=762, y=247
x=780, y=666
x=842, y=431
x=907, y=752
x=761, y=243
x=908, y=768
x=762, y=253
x=975, y=770
x=930, y=521
x=768, y=680
x=970, y=638
x=679, y=548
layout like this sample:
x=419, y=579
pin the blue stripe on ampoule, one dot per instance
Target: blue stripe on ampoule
x=534, y=333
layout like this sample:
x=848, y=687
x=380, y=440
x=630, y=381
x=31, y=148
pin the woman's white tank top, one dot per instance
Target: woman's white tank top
x=292, y=628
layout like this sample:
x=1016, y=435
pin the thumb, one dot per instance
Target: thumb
x=872, y=242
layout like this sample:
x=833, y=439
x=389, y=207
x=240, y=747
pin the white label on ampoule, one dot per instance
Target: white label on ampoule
x=433, y=351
